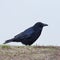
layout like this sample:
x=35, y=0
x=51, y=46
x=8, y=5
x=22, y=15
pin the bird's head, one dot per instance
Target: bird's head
x=40, y=24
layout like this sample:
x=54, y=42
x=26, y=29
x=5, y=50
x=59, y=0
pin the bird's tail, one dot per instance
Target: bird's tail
x=8, y=41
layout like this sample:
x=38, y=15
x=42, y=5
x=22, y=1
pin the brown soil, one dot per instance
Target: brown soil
x=29, y=52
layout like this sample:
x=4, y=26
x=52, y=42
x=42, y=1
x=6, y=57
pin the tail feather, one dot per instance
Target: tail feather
x=8, y=41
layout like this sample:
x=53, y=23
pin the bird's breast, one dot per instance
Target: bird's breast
x=37, y=33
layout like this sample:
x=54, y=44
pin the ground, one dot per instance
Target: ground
x=29, y=52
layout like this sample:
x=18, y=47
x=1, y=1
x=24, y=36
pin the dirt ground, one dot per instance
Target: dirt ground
x=29, y=52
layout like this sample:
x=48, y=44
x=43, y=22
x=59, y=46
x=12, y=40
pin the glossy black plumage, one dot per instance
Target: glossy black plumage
x=30, y=35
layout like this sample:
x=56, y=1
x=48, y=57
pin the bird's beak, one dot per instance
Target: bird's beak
x=45, y=24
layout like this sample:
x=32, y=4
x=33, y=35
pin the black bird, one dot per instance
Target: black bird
x=30, y=35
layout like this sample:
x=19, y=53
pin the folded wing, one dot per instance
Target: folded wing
x=26, y=34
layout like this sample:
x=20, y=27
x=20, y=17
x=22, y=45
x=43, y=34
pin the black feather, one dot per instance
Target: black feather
x=30, y=35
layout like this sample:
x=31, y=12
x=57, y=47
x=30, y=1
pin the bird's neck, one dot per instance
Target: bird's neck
x=38, y=29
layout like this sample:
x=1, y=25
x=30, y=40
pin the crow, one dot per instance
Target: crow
x=29, y=36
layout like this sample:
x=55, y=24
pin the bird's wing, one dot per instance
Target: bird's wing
x=26, y=34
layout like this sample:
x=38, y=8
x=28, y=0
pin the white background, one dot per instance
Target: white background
x=18, y=15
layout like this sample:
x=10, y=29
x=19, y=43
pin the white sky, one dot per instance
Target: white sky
x=18, y=15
